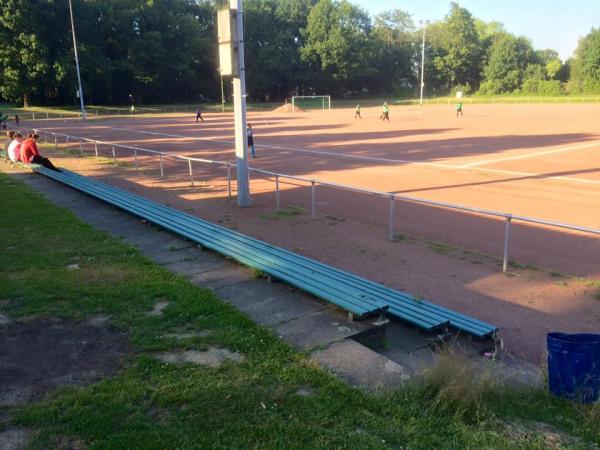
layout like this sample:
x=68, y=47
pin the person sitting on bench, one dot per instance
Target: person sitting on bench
x=9, y=139
x=14, y=148
x=29, y=154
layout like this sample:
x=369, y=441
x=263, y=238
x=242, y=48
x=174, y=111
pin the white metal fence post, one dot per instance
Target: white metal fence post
x=277, y=192
x=96, y=151
x=191, y=174
x=114, y=156
x=135, y=158
x=392, y=202
x=313, y=213
x=506, y=242
x=162, y=173
x=229, y=180
x=81, y=146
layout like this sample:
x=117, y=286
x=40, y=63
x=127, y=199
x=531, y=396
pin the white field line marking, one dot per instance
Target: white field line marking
x=531, y=155
x=470, y=167
x=296, y=149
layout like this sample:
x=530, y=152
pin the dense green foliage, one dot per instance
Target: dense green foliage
x=166, y=51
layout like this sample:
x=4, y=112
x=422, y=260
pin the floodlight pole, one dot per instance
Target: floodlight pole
x=424, y=25
x=77, y=62
x=239, y=108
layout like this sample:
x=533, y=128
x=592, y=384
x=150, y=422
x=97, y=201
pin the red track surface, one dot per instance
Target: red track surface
x=539, y=161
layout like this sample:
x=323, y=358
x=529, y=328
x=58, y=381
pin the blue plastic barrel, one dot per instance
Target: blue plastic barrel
x=574, y=366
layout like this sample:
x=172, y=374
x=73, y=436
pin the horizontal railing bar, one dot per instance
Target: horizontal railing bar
x=418, y=200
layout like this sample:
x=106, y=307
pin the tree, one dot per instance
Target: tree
x=461, y=59
x=505, y=70
x=394, y=44
x=272, y=46
x=32, y=56
x=585, y=69
x=338, y=45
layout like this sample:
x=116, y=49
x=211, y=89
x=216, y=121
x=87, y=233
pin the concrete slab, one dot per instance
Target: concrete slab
x=402, y=340
x=196, y=265
x=225, y=276
x=361, y=366
x=318, y=329
x=269, y=304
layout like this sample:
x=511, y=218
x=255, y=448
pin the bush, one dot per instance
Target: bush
x=542, y=87
x=465, y=88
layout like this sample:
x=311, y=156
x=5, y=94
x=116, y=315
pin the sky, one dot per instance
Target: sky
x=555, y=24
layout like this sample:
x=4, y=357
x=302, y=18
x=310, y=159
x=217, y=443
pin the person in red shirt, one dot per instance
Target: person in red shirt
x=29, y=153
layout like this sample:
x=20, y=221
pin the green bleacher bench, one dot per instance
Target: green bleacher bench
x=357, y=295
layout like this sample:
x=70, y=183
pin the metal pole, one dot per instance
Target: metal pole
x=313, y=212
x=77, y=62
x=81, y=146
x=162, y=173
x=392, y=202
x=96, y=151
x=191, y=175
x=239, y=96
x=55, y=142
x=228, y=180
x=135, y=158
x=222, y=92
x=114, y=156
x=506, y=241
x=277, y=192
x=423, y=61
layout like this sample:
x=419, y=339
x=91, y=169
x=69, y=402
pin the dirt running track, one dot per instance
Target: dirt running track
x=540, y=161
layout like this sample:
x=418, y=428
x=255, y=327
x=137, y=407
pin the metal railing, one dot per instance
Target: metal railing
x=277, y=177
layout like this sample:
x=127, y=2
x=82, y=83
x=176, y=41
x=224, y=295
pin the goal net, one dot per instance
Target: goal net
x=308, y=102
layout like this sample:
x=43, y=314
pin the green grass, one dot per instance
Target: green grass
x=440, y=248
x=287, y=212
x=249, y=405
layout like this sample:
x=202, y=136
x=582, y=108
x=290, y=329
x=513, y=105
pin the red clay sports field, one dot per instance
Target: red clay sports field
x=539, y=160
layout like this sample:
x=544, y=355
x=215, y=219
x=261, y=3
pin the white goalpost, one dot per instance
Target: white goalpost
x=325, y=101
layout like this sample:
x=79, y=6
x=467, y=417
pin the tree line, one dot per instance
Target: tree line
x=162, y=51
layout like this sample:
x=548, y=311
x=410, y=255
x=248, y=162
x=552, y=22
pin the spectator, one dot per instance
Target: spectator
x=9, y=138
x=14, y=147
x=29, y=153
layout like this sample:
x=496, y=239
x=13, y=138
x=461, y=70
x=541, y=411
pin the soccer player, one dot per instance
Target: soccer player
x=199, y=115
x=385, y=113
x=250, y=140
x=459, y=108
x=357, y=112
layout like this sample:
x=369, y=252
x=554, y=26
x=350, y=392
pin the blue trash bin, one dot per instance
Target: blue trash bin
x=574, y=366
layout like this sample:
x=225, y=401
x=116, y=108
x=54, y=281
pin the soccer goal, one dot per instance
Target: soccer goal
x=311, y=102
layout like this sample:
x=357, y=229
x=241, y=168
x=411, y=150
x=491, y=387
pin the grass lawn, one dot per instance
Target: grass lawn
x=239, y=405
